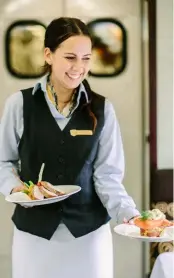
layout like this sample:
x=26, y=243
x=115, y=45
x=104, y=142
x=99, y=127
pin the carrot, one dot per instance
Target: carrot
x=148, y=224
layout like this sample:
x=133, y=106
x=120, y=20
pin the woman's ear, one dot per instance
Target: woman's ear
x=48, y=56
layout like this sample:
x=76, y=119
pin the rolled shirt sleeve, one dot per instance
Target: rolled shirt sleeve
x=10, y=134
x=109, y=170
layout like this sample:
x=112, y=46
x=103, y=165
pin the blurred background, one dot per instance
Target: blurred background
x=132, y=66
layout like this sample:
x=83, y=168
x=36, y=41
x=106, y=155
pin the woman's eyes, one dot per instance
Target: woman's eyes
x=72, y=58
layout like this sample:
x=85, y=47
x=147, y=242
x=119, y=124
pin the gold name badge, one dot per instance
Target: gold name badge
x=75, y=132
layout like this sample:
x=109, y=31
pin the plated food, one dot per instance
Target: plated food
x=31, y=194
x=40, y=191
x=152, y=223
x=150, y=226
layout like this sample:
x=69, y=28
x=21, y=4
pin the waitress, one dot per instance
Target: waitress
x=71, y=238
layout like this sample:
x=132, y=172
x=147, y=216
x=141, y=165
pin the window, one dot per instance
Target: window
x=109, y=47
x=24, y=49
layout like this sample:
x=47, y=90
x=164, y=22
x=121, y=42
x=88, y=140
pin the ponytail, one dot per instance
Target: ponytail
x=88, y=104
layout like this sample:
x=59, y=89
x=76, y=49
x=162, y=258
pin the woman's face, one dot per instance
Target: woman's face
x=71, y=61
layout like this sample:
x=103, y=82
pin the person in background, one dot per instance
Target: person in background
x=71, y=238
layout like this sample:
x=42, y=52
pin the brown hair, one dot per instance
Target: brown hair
x=61, y=29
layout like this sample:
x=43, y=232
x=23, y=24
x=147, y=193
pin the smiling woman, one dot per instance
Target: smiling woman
x=67, y=55
x=62, y=123
x=69, y=62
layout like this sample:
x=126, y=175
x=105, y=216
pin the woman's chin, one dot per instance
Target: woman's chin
x=72, y=85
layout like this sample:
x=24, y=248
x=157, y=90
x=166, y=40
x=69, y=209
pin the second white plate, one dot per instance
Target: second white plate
x=133, y=232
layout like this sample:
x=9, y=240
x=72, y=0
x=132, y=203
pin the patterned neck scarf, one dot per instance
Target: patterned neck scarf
x=53, y=96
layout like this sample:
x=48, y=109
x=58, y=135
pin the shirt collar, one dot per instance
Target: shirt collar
x=42, y=84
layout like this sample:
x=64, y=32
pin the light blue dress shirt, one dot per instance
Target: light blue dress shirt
x=109, y=163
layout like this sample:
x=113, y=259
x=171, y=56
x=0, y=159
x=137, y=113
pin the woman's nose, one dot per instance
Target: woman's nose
x=78, y=65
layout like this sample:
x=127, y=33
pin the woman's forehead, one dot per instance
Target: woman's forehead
x=76, y=43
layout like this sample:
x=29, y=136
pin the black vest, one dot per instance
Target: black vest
x=68, y=160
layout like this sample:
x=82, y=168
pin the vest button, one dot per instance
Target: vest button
x=62, y=142
x=61, y=160
x=60, y=176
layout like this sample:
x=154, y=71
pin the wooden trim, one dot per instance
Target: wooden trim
x=152, y=83
x=162, y=186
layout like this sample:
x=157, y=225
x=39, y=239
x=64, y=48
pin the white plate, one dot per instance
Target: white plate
x=133, y=232
x=23, y=199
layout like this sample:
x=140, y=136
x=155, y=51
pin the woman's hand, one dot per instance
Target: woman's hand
x=167, y=223
x=18, y=188
x=130, y=221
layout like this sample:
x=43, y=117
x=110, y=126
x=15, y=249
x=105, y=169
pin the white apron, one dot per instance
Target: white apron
x=64, y=256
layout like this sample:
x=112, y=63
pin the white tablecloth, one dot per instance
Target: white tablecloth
x=164, y=266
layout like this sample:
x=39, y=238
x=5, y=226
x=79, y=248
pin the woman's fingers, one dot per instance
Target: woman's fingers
x=168, y=223
x=18, y=188
x=130, y=221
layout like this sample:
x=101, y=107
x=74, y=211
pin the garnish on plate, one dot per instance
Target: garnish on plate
x=145, y=215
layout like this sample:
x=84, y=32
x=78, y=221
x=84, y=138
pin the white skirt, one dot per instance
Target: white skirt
x=64, y=256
